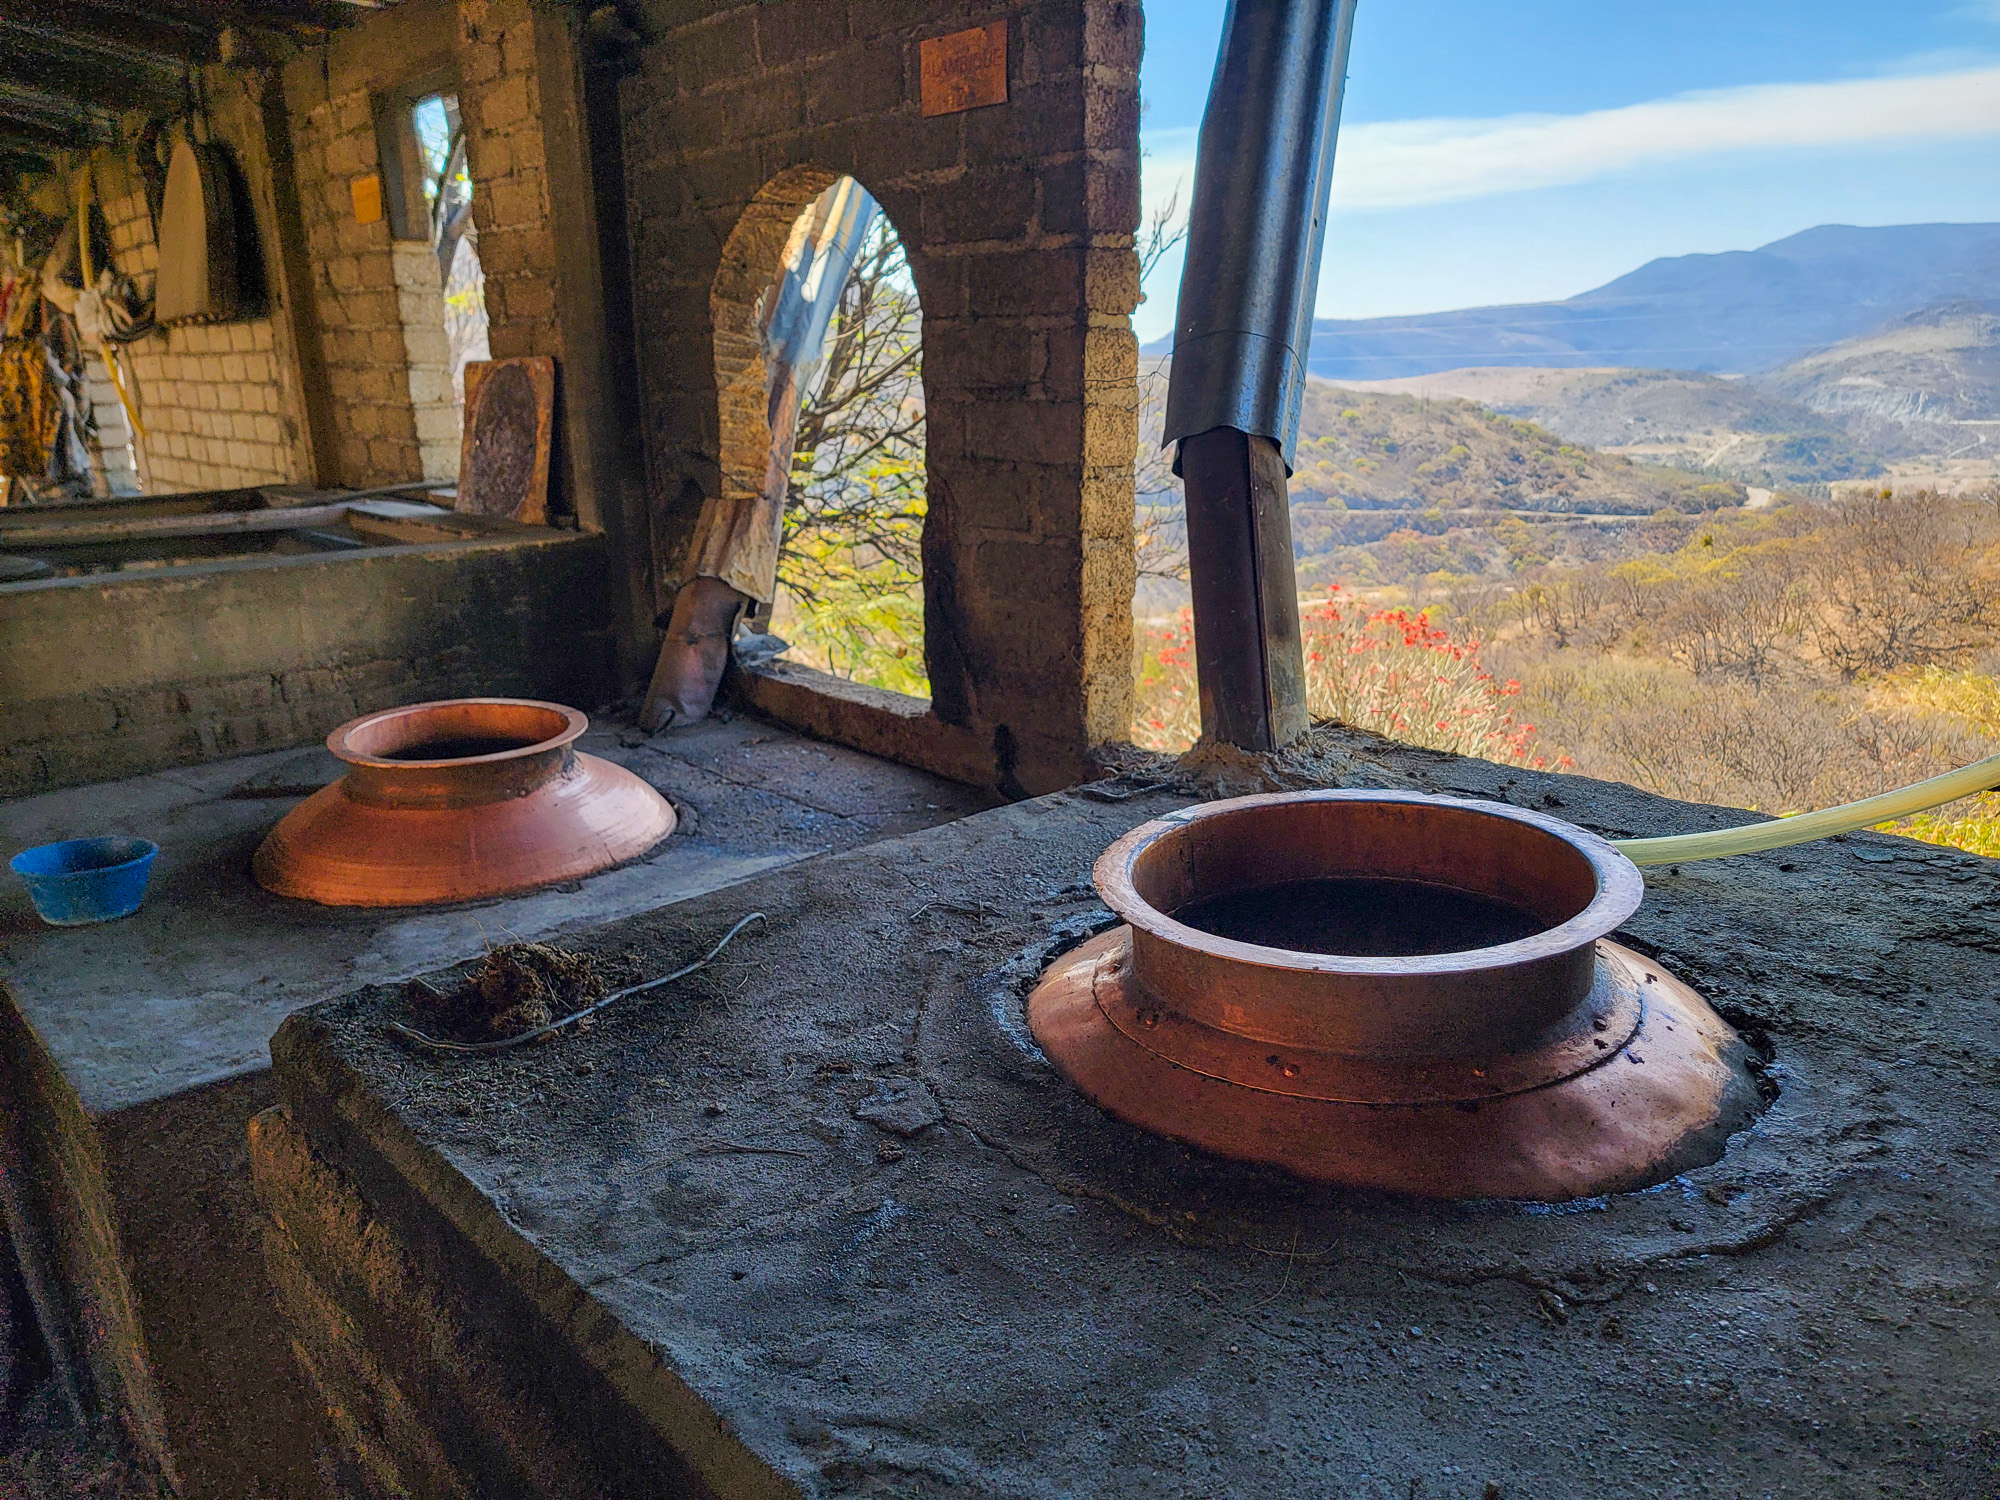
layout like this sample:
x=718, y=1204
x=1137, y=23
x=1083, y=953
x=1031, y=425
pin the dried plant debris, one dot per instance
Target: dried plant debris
x=513, y=989
x=53, y=1474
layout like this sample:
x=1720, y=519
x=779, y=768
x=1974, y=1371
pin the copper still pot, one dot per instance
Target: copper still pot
x=459, y=800
x=1479, y=1037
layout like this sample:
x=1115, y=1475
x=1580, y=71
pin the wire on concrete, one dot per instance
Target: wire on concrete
x=445, y=1044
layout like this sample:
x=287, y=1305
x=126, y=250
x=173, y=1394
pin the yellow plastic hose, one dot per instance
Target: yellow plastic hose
x=1780, y=833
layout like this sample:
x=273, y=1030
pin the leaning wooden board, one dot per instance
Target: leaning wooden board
x=503, y=465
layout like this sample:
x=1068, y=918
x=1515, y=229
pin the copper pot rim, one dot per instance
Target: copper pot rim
x=341, y=741
x=1620, y=889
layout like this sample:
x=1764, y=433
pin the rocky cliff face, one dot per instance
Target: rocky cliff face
x=1926, y=383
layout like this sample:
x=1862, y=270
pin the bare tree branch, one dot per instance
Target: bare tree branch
x=854, y=514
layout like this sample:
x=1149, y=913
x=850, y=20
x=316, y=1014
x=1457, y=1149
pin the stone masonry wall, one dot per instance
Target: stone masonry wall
x=382, y=323
x=113, y=454
x=420, y=305
x=218, y=401
x=434, y=1376
x=331, y=94
x=500, y=100
x=212, y=405
x=1019, y=222
x=61, y=1166
x=540, y=115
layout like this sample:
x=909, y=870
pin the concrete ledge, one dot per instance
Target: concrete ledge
x=115, y=675
x=134, y=1054
x=895, y=726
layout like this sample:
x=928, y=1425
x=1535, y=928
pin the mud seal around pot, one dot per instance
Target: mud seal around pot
x=1396, y=991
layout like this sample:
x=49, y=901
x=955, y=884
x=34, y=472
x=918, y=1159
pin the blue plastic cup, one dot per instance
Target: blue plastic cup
x=81, y=881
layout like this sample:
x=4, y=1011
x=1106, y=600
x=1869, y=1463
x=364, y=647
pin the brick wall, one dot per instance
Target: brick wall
x=115, y=455
x=220, y=402
x=213, y=398
x=330, y=93
x=69, y=1200
x=436, y=1376
x=420, y=305
x=210, y=399
x=500, y=98
x=1019, y=222
x=378, y=305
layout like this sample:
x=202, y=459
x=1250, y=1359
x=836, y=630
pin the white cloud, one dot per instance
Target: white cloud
x=1406, y=163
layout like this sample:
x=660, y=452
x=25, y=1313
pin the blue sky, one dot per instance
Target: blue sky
x=1513, y=152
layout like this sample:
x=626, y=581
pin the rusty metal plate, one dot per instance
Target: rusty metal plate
x=964, y=70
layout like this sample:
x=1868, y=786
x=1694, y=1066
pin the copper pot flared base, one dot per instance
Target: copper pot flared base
x=1642, y=1082
x=417, y=822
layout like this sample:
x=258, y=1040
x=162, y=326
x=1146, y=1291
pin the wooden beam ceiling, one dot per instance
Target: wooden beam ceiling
x=94, y=73
x=152, y=31
x=69, y=68
x=30, y=114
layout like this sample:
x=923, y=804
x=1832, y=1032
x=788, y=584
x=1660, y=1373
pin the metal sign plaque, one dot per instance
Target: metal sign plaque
x=964, y=70
x=367, y=195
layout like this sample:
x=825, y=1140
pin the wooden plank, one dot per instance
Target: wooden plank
x=135, y=24
x=1249, y=660
x=37, y=58
x=381, y=524
x=211, y=523
x=503, y=466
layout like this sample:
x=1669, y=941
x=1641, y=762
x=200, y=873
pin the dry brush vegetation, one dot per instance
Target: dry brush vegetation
x=1778, y=660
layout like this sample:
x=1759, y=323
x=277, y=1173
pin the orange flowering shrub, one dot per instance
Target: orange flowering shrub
x=1168, y=715
x=1384, y=670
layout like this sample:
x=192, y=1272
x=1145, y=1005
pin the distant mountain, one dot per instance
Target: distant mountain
x=1738, y=312
x=1927, y=383
x=1697, y=422
x=1923, y=386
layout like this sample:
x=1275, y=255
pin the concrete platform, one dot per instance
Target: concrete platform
x=138, y=1049
x=822, y=1221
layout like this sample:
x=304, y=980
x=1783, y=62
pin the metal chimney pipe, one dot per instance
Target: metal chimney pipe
x=1258, y=223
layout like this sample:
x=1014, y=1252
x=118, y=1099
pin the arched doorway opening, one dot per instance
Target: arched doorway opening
x=813, y=534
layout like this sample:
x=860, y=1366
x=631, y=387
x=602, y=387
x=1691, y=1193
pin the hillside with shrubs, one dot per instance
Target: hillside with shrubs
x=1373, y=451
x=1780, y=659
x=1475, y=582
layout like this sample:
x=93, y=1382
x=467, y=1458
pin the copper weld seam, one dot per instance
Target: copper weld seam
x=442, y=1044
x=1590, y=1065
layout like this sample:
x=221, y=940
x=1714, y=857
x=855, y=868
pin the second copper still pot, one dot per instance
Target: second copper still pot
x=458, y=800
